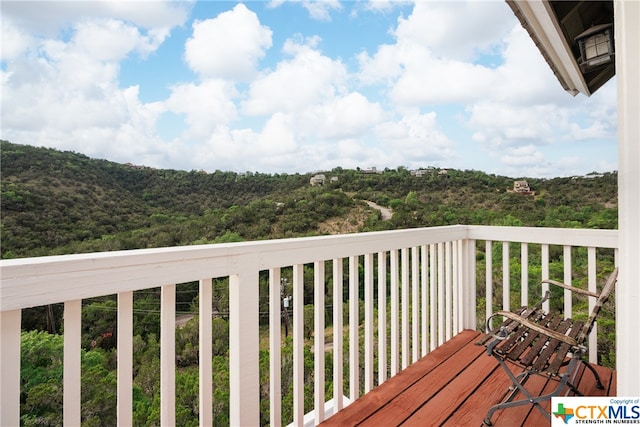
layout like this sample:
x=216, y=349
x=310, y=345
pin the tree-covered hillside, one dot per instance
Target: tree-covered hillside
x=56, y=202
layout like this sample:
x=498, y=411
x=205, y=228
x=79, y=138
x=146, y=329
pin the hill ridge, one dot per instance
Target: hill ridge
x=56, y=202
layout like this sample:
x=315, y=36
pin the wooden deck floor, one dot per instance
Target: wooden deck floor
x=454, y=386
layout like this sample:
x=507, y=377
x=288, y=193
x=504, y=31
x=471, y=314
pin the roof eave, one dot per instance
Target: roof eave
x=541, y=23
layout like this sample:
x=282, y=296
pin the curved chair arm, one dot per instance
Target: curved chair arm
x=532, y=325
x=499, y=333
x=571, y=288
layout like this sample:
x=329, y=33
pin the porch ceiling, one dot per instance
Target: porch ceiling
x=553, y=25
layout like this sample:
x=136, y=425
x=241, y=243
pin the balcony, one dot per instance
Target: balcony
x=419, y=289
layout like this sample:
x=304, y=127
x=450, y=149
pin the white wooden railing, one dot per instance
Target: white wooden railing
x=422, y=282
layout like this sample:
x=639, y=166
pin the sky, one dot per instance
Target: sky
x=287, y=86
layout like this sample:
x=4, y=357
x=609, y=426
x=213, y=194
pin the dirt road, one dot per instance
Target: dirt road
x=386, y=212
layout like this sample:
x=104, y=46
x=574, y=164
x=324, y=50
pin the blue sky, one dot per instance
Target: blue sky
x=296, y=86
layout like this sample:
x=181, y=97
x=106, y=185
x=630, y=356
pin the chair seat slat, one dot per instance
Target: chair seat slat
x=542, y=360
x=516, y=352
x=564, y=348
x=539, y=344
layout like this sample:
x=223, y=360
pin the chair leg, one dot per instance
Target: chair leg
x=596, y=375
x=518, y=385
x=518, y=382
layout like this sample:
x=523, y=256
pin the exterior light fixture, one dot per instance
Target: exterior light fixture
x=596, y=46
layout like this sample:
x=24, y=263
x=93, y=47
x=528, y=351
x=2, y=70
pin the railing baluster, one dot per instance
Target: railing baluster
x=318, y=327
x=244, y=345
x=468, y=276
x=544, y=259
x=506, y=288
x=382, y=317
x=125, y=359
x=524, y=274
x=368, y=322
x=592, y=287
x=448, y=291
x=488, y=275
x=168, y=355
x=433, y=306
x=10, y=367
x=275, y=344
x=298, y=344
x=354, y=326
x=72, y=362
x=338, y=323
x=415, y=305
x=457, y=287
x=506, y=282
x=404, y=286
x=424, y=304
x=395, y=348
x=441, y=294
x=568, y=304
x=205, y=352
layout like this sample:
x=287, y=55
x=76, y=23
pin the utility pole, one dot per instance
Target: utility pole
x=286, y=301
x=51, y=321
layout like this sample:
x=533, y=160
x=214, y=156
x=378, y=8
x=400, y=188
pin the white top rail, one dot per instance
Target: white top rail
x=69, y=277
x=90, y=275
x=550, y=236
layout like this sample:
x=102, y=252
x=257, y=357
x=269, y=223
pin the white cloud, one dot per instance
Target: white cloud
x=306, y=79
x=14, y=41
x=525, y=78
x=111, y=40
x=277, y=137
x=318, y=10
x=434, y=60
x=596, y=118
x=383, y=68
x=274, y=147
x=442, y=82
x=384, y=6
x=206, y=105
x=47, y=18
x=527, y=155
x=348, y=116
x=456, y=30
x=501, y=125
x=416, y=137
x=321, y=10
x=228, y=46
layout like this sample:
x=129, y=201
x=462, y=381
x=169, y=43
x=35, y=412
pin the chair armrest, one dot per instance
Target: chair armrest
x=571, y=288
x=541, y=329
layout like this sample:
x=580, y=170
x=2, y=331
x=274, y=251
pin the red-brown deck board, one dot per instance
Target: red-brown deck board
x=455, y=385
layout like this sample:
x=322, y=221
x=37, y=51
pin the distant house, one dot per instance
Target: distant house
x=371, y=170
x=317, y=180
x=419, y=172
x=594, y=175
x=333, y=179
x=522, y=187
x=132, y=166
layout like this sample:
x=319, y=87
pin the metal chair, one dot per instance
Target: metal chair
x=541, y=344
